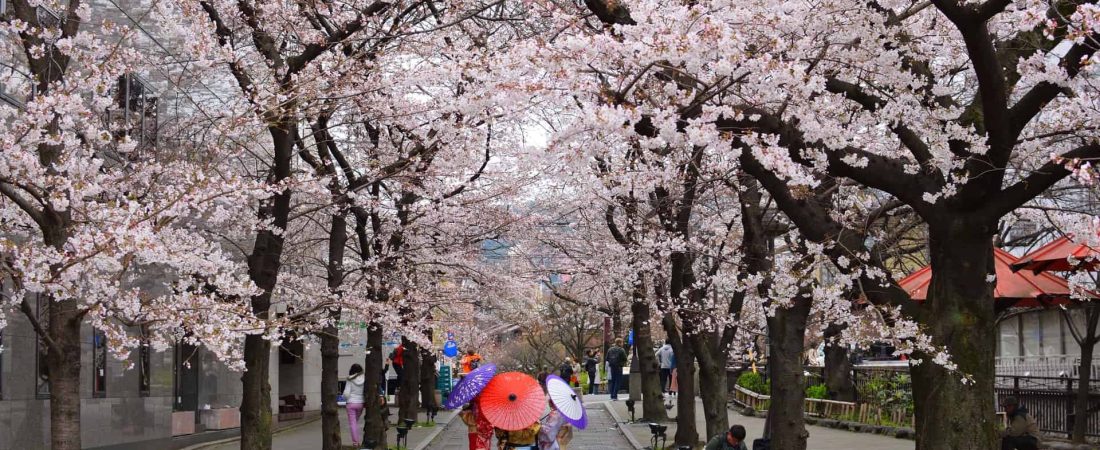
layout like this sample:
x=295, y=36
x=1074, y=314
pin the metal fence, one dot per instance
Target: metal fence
x=1050, y=400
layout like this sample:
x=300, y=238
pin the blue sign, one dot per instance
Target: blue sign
x=450, y=349
x=630, y=337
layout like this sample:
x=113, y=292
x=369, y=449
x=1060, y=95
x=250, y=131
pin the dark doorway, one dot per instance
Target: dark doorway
x=186, y=372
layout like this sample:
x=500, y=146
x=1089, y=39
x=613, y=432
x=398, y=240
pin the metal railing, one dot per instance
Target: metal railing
x=1050, y=400
x=1043, y=366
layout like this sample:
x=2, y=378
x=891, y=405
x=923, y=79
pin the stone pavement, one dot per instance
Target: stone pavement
x=601, y=434
x=308, y=435
x=821, y=438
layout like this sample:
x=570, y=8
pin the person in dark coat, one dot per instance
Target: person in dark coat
x=591, y=365
x=1022, y=432
x=734, y=439
x=616, y=359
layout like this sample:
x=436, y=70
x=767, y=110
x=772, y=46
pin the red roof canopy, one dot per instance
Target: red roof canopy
x=1054, y=257
x=1025, y=288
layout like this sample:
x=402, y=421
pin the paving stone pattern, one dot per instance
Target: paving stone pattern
x=601, y=434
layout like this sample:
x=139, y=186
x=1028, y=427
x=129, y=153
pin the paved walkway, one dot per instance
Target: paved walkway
x=601, y=434
x=821, y=438
x=308, y=436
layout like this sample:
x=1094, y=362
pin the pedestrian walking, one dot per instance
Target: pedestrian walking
x=734, y=439
x=592, y=367
x=353, y=394
x=1022, y=432
x=575, y=380
x=673, y=384
x=397, y=358
x=665, y=359
x=566, y=369
x=616, y=359
x=382, y=379
x=549, y=428
x=479, y=429
x=525, y=439
x=470, y=361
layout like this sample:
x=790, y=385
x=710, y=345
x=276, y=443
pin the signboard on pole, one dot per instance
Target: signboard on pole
x=450, y=349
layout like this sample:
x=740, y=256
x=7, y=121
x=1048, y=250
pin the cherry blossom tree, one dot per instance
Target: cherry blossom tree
x=97, y=230
x=801, y=94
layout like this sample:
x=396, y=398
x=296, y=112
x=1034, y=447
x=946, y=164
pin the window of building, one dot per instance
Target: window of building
x=42, y=384
x=186, y=373
x=1031, y=334
x=99, y=364
x=144, y=365
x=1009, y=343
x=1053, y=343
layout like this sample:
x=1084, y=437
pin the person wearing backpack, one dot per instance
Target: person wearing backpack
x=591, y=365
x=397, y=358
x=616, y=359
x=470, y=361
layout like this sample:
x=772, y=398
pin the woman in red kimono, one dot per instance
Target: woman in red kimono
x=479, y=430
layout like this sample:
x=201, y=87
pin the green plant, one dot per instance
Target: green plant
x=754, y=382
x=818, y=391
x=891, y=393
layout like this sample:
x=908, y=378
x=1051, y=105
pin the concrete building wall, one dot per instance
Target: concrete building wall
x=311, y=377
x=123, y=411
x=124, y=415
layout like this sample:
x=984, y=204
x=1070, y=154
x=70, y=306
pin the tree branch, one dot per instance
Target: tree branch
x=1028, y=188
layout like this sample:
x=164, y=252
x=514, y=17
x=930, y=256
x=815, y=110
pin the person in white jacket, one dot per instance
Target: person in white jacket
x=353, y=394
x=665, y=359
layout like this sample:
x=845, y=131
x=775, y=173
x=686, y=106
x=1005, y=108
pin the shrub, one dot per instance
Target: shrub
x=818, y=391
x=754, y=382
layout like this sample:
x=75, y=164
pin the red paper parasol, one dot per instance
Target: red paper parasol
x=512, y=401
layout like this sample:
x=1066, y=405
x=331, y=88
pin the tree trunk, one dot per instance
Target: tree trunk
x=407, y=404
x=950, y=413
x=653, y=407
x=686, y=433
x=712, y=374
x=263, y=268
x=375, y=410
x=786, y=331
x=330, y=338
x=427, y=379
x=256, y=395
x=838, y=368
x=1081, y=403
x=64, y=367
x=616, y=328
x=330, y=387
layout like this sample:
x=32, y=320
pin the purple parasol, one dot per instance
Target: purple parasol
x=566, y=401
x=470, y=386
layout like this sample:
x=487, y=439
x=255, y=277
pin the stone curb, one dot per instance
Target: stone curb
x=898, y=432
x=618, y=424
x=431, y=437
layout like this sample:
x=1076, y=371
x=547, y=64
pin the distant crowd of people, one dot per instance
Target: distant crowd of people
x=552, y=432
